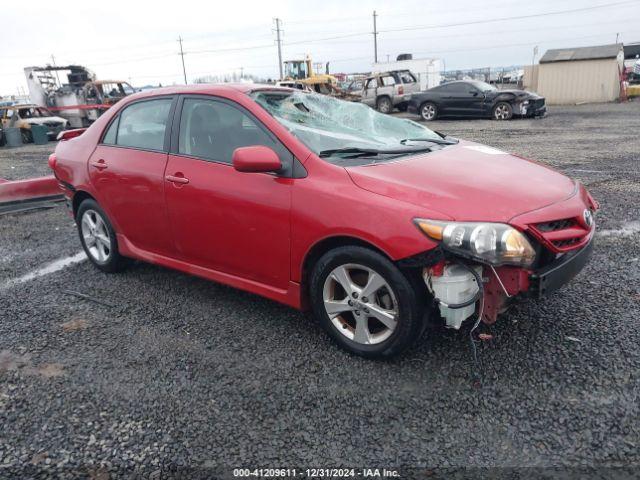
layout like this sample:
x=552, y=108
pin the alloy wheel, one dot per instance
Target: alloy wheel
x=428, y=112
x=360, y=304
x=501, y=112
x=96, y=236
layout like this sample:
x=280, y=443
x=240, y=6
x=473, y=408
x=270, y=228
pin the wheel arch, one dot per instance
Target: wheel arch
x=79, y=197
x=428, y=100
x=321, y=247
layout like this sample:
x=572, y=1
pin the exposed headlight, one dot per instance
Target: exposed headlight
x=494, y=243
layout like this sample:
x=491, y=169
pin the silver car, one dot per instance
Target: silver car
x=385, y=91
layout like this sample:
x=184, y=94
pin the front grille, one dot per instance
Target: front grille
x=555, y=225
x=562, y=235
x=566, y=243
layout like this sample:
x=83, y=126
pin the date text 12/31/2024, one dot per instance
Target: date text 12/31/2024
x=316, y=472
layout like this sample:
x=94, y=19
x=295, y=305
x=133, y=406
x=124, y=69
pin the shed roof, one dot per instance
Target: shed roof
x=581, y=53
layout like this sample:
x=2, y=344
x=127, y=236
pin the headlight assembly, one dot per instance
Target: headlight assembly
x=494, y=243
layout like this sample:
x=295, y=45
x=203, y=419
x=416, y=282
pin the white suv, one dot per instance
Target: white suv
x=385, y=91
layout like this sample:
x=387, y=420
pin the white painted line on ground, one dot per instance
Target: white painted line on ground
x=52, y=267
x=630, y=228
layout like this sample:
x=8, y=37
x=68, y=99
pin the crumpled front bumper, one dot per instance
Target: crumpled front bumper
x=558, y=273
x=505, y=285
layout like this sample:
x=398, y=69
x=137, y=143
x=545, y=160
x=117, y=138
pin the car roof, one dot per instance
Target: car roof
x=207, y=89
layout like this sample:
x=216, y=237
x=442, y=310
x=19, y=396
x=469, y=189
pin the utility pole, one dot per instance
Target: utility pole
x=184, y=70
x=375, y=37
x=53, y=60
x=241, y=73
x=279, y=40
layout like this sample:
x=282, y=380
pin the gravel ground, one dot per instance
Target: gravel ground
x=171, y=371
x=27, y=161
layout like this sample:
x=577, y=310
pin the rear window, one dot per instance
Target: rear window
x=407, y=77
x=142, y=125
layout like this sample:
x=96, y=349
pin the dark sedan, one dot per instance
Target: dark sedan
x=475, y=99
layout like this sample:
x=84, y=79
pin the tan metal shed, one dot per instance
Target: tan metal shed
x=581, y=75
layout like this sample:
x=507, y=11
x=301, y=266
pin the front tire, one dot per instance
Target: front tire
x=428, y=111
x=384, y=105
x=503, y=111
x=98, y=237
x=365, y=303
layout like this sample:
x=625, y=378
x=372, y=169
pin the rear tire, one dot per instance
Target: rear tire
x=98, y=237
x=428, y=111
x=502, y=111
x=378, y=314
x=384, y=105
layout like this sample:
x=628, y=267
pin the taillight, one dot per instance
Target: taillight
x=52, y=161
x=400, y=90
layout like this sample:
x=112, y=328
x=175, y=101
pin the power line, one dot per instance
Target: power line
x=231, y=49
x=502, y=45
x=501, y=19
x=492, y=33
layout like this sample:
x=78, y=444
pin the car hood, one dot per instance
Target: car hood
x=467, y=182
x=516, y=93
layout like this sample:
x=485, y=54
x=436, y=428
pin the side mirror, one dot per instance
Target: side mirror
x=256, y=159
x=473, y=92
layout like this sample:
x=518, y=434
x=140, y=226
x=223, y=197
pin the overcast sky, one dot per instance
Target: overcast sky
x=138, y=40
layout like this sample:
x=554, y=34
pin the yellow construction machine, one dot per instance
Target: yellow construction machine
x=301, y=72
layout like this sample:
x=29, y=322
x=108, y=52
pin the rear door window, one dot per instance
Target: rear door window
x=110, y=137
x=143, y=124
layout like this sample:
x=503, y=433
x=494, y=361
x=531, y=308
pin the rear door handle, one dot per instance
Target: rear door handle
x=100, y=164
x=176, y=179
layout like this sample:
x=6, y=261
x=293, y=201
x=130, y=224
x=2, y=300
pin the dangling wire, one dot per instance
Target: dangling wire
x=478, y=368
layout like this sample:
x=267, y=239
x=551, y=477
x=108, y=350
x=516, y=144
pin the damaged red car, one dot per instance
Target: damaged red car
x=375, y=223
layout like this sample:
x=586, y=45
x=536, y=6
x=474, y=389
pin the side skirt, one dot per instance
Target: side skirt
x=290, y=296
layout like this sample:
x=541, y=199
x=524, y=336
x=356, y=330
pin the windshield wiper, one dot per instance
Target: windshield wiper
x=432, y=140
x=354, y=152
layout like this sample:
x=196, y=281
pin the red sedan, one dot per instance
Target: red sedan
x=376, y=223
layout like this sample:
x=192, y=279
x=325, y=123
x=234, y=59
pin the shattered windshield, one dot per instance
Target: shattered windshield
x=335, y=128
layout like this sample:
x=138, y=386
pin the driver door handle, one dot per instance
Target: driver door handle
x=177, y=179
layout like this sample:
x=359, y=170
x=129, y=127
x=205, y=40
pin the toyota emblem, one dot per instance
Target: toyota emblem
x=588, y=217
